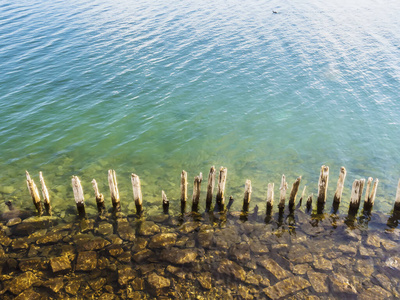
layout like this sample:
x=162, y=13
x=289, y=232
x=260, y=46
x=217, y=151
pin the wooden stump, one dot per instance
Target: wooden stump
x=196, y=192
x=112, y=182
x=183, y=190
x=165, y=202
x=210, y=188
x=78, y=195
x=33, y=190
x=309, y=202
x=355, y=197
x=282, y=196
x=247, y=195
x=137, y=193
x=293, y=192
x=220, y=198
x=99, y=197
x=303, y=194
x=45, y=193
x=270, y=197
x=340, y=185
x=323, y=184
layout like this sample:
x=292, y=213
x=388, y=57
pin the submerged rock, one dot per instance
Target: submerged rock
x=321, y=263
x=158, y=282
x=59, y=264
x=125, y=274
x=148, y=228
x=375, y=292
x=231, y=268
x=286, y=287
x=318, y=281
x=86, y=261
x=273, y=267
x=341, y=284
x=205, y=280
x=162, y=240
x=298, y=254
x=22, y=282
x=179, y=256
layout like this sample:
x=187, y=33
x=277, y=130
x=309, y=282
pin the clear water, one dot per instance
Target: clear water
x=152, y=87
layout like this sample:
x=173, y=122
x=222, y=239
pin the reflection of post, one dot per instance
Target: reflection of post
x=78, y=195
x=282, y=196
x=293, y=192
x=99, y=197
x=165, y=202
x=210, y=188
x=45, y=193
x=33, y=190
x=220, y=199
x=247, y=195
x=196, y=192
x=340, y=185
x=137, y=193
x=323, y=184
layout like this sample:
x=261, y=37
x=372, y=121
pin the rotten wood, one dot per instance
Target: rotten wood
x=220, y=198
x=45, y=193
x=293, y=192
x=397, y=201
x=112, y=182
x=165, y=202
x=355, y=196
x=282, y=196
x=247, y=195
x=270, y=196
x=340, y=185
x=99, y=197
x=210, y=188
x=78, y=195
x=196, y=192
x=137, y=193
x=323, y=184
x=33, y=190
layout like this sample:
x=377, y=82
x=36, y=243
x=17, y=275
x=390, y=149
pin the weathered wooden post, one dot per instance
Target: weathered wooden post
x=270, y=198
x=323, y=184
x=196, y=192
x=78, y=195
x=282, y=196
x=309, y=202
x=303, y=194
x=397, y=201
x=33, y=190
x=112, y=182
x=362, y=183
x=293, y=192
x=220, y=198
x=137, y=193
x=45, y=193
x=247, y=195
x=340, y=185
x=183, y=190
x=210, y=188
x=99, y=197
x=370, y=196
x=355, y=197
x=165, y=202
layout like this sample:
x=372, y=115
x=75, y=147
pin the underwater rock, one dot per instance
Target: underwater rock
x=348, y=248
x=86, y=261
x=240, y=252
x=86, y=225
x=148, y=228
x=139, y=244
x=384, y=281
x=55, y=284
x=375, y=292
x=323, y=264
x=22, y=282
x=142, y=255
x=389, y=245
x=158, y=282
x=298, y=254
x=205, y=280
x=4, y=239
x=318, y=281
x=286, y=287
x=189, y=227
x=137, y=284
x=51, y=238
x=226, y=237
x=272, y=266
x=97, y=283
x=178, y=272
x=244, y=292
x=162, y=240
x=115, y=250
x=93, y=244
x=125, y=274
x=105, y=229
x=205, y=238
x=373, y=240
x=29, y=294
x=2, y=253
x=126, y=232
x=231, y=268
x=179, y=256
x=365, y=267
x=32, y=264
x=393, y=263
x=341, y=284
x=19, y=244
x=258, y=248
x=72, y=287
x=13, y=221
x=300, y=269
x=366, y=252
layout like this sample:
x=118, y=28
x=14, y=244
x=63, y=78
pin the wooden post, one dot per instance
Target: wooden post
x=370, y=196
x=303, y=194
x=165, y=202
x=78, y=195
x=309, y=202
x=397, y=201
x=183, y=186
x=137, y=193
x=362, y=183
x=340, y=185
x=210, y=188
x=196, y=192
x=355, y=196
x=270, y=197
x=112, y=182
x=293, y=192
x=221, y=188
x=247, y=195
x=282, y=189
x=323, y=184
x=45, y=193
x=99, y=197
x=33, y=190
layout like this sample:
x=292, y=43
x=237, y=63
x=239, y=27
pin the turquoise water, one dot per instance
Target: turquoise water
x=152, y=87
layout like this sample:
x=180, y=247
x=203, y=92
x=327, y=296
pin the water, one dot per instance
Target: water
x=154, y=88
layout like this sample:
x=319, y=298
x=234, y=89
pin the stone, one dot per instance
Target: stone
x=158, y=282
x=341, y=284
x=115, y=250
x=318, y=281
x=384, y=281
x=29, y=294
x=105, y=229
x=300, y=269
x=366, y=252
x=139, y=245
x=258, y=248
x=389, y=245
x=125, y=274
x=60, y=264
x=2, y=253
x=189, y=227
x=162, y=240
x=32, y=264
x=205, y=279
x=19, y=244
x=137, y=284
x=22, y=282
x=4, y=239
x=55, y=284
x=226, y=237
x=125, y=257
x=393, y=263
x=244, y=292
x=272, y=266
x=179, y=256
x=142, y=255
x=126, y=232
x=13, y=221
x=205, y=239
x=148, y=228
x=374, y=293
x=97, y=283
x=286, y=287
x=231, y=268
x=365, y=267
x=373, y=240
x=86, y=225
x=51, y=238
x=348, y=248
x=96, y=243
x=298, y=254
x=86, y=261
x=240, y=252
x=321, y=263
x=73, y=286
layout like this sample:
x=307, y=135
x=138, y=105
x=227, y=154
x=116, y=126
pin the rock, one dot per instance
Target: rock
x=341, y=284
x=139, y=244
x=318, y=281
x=4, y=239
x=126, y=232
x=258, y=248
x=162, y=240
x=300, y=269
x=105, y=229
x=55, y=284
x=189, y=227
x=286, y=287
x=29, y=294
x=32, y=264
x=366, y=252
x=374, y=293
x=321, y=263
x=86, y=261
x=22, y=282
x=19, y=244
x=244, y=292
x=298, y=254
x=373, y=240
x=51, y=238
x=137, y=284
x=348, y=248
x=142, y=255
x=240, y=252
x=231, y=268
x=205, y=280
x=158, y=282
x=148, y=228
x=384, y=281
x=86, y=225
x=226, y=237
x=178, y=272
x=96, y=243
x=273, y=267
x=125, y=274
x=73, y=286
x=125, y=257
x=13, y=221
x=389, y=245
x=179, y=256
x=365, y=267
x=2, y=253
x=59, y=264
x=205, y=239
x=7, y=189
x=393, y=263
x=97, y=283
x=115, y=250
